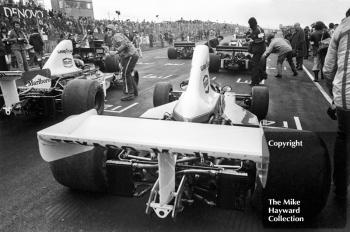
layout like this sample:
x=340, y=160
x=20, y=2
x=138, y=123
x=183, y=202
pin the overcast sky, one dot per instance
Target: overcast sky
x=269, y=13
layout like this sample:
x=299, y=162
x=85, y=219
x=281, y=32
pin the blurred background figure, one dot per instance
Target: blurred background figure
x=298, y=45
x=319, y=34
x=38, y=46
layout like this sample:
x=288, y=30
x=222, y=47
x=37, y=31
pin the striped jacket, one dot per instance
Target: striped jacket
x=337, y=65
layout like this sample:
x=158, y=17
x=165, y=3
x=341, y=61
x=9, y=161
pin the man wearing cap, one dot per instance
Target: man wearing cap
x=19, y=41
x=128, y=57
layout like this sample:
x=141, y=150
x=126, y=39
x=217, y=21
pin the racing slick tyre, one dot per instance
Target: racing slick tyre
x=81, y=95
x=214, y=63
x=161, y=93
x=85, y=171
x=299, y=172
x=260, y=101
x=135, y=75
x=172, y=53
x=111, y=64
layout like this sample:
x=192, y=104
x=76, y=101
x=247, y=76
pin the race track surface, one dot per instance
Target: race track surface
x=31, y=200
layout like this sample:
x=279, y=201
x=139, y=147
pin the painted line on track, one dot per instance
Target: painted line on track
x=325, y=95
x=297, y=123
x=121, y=111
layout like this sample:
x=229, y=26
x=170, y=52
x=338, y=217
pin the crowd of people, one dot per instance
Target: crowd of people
x=55, y=26
x=330, y=49
x=315, y=40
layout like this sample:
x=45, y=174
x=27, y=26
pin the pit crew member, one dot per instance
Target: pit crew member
x=284, y=51
x=257, y=47
x=128, y=57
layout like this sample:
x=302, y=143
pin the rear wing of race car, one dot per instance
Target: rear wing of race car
x=167, y=139
x=184, y=44
x=89, y=129
x=9, y=88
x=222, y=48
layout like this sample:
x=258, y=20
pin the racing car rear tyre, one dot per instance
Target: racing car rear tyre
x=81, y=95
x=172, y=53
x=260, y=101
x=214, y=63
x=302, y=173
x=85, y=171
x=111, y=64
x=161, y=93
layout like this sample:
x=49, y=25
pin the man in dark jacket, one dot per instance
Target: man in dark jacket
x=298, y=45
x=213, y=43
x=257, y=47
x=307, y=41
x=38, y=45
x=3, y=64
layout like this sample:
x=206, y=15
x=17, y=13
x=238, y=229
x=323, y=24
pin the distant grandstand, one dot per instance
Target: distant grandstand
x=75, y=8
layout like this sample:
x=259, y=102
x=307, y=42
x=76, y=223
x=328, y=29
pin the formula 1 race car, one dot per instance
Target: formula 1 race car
x=233, y=56
x=182, y=50
x=196, y=145
x=95, y=55
x=60, y=87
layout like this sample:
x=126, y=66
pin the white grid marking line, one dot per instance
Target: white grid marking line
x=166, y=76
x=297, y=123
x=116, y=108
x=326, y=96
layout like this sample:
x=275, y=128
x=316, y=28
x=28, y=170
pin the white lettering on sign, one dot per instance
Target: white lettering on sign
x=39, y=82
x=22, y=12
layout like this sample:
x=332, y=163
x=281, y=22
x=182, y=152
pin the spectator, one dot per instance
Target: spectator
x=307, y=41
x=150, y=36
x=74, y=42
x=338, y=81
x=6, y=43
x=319, y=34
x=137, y=43
x=3, y=63
x=38, y=45
x=129, y=35
x=298, y=45
x=18, y=42
x=284, y=50
x=161, y=38
x=109, y=35
x=331, y=29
